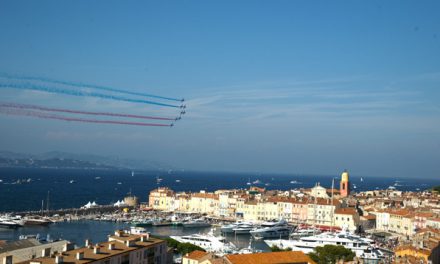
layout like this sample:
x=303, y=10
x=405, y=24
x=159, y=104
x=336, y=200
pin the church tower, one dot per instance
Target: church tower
x=345, y=184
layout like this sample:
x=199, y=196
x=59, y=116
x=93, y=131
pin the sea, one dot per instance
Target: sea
x=24, y=189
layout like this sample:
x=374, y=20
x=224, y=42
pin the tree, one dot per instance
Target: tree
x=331, y=254
x=182, y=248
x=275, y=248
x=436, y=189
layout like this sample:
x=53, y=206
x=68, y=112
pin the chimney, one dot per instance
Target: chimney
x=144, y=238
x=96, y=249
x=58, y=259
x=88, y=243
x=111, y=246
x=79, y=255
x=119, y=233
x=68, y=246
x=45, y=252
x=7, y=260
x=130, y=243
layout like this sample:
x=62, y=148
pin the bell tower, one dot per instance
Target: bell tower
x=345, y=184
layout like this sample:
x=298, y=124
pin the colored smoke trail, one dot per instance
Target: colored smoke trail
x=48, y=109
x=29, y=86
x=73, y=119
x=83, y=85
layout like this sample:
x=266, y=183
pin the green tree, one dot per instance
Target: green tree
x=182, y=248
x=436, y=189
x=329, y=254
x=275, y=248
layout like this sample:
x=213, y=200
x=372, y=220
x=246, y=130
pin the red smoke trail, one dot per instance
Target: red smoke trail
x=73, y=119
x=41, y=108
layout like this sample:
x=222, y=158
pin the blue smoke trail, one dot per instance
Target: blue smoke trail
x=29, y=86
x=83, y=85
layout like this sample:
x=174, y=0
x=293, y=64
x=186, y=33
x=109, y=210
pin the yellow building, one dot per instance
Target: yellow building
x=412, y=253
x=204, y=203
x=197, y=257
x=161, y=199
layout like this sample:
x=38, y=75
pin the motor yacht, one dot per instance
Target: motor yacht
x=271, y=230
x=209, y=242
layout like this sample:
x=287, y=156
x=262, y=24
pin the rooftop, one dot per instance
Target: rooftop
x=119, y=247
x=270, y=258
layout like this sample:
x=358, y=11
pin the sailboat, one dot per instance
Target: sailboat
x=132, y=173
x=249, y=181
x=362, y=180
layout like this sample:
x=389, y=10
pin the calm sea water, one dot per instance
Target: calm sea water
x=107, y=187
x=78, y=231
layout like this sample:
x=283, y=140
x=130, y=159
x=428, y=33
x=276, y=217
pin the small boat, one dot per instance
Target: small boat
x=177, y=180
x=72, y=181
x=196, y=223
x=136, y=230
x=249, y=182
x=36, y=220
x=256, y=182
x=362, y=179
x=294, y=182
x=143, y=223
x=97, y=178
x=119, y=183
x=132, y=173
x=162, y=223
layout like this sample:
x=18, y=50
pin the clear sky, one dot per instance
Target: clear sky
x=271, y=86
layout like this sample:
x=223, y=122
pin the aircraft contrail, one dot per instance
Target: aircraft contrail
x=62, y=110
x=36, y=114
x=84, y=85
x=30, y=86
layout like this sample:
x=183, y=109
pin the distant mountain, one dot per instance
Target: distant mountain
x=57, y=159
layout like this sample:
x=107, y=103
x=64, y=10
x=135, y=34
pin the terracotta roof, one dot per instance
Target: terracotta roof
x=270, y=258
x=205, y=195
x=69, y=257
x=346, y=211
x=196, y=255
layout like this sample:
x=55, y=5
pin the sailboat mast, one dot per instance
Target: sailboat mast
x=333, y=188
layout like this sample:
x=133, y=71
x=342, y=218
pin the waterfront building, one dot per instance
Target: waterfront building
x=320, y=211
x=347, y=217
x=161, y=199
x=197, y=257
x=121, y=248
x=203, y=203
x=26, y=249
x=345, y=184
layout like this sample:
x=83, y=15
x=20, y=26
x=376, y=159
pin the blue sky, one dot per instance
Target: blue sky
x=271, y=86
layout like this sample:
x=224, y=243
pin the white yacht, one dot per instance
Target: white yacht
x=361, y=246
x=209, y=242
x=271, y=230
x=305, y=233
x=10, y=222
x=243, y=228
x=196, y=223
x=231, y=228
x=137, y=230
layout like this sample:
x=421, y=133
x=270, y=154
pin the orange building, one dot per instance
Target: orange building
x=345, y=184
